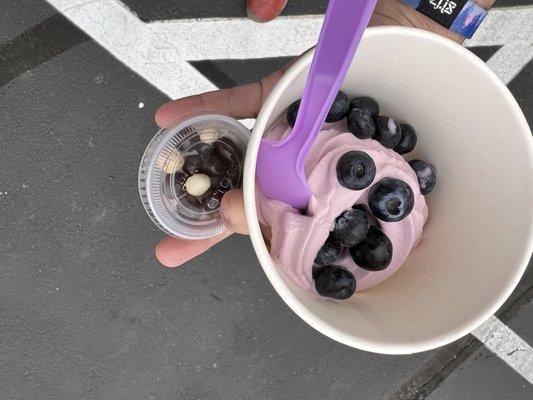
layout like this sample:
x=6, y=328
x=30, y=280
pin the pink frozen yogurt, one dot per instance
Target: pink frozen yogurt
x=297, y=238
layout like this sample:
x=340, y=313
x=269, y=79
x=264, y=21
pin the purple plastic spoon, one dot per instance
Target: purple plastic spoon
x=280, y=164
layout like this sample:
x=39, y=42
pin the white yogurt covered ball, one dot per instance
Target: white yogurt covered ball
x=208, y=135
x=197, y=184
x=174, y=162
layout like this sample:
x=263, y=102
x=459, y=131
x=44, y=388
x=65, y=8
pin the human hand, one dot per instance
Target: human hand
x=245, y=102
x=239, y=102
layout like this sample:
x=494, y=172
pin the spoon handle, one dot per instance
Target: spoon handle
x=343, y=28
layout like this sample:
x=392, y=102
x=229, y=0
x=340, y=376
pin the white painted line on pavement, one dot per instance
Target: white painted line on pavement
x=159, y=51
x=239, y=38
x=512, y=28
x=508, y=61
x=507, y=345
x=141, y=48
x=503, y=26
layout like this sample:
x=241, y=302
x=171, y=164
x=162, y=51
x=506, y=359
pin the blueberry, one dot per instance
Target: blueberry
x=316, y=271
x=375, y=252
x=292, y=112
x=368, y=104
x=214, y=166
x=329, y=252
x=388, y=132
x=355, y=170
x=339, y=108
x=351, y=227
x=359, y=207
x=227, y=150
x=408, y=140
x=391, y=200
x=193, y=164
x=196, y=156
x=360, y=123
x=201, y=149
x=335, y=282
x=426, y=174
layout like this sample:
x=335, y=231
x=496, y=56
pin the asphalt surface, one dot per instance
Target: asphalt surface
x=86, y=312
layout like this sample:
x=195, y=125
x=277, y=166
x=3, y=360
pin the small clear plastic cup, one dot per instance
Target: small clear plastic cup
x=185, y=171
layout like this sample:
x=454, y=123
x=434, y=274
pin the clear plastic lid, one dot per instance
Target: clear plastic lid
x=186, y=170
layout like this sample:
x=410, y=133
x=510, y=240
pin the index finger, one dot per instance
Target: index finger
x=239, y=102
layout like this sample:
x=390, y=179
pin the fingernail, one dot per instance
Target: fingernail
x=261, y=11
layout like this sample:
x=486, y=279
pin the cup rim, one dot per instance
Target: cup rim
x=274, y=274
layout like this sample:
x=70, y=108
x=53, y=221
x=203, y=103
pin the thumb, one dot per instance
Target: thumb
x=232, y=212
x=173, y=252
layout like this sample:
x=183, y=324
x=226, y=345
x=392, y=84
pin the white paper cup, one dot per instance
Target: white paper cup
x=479, y=237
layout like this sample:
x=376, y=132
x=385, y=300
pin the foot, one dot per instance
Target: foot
x=264, y=10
